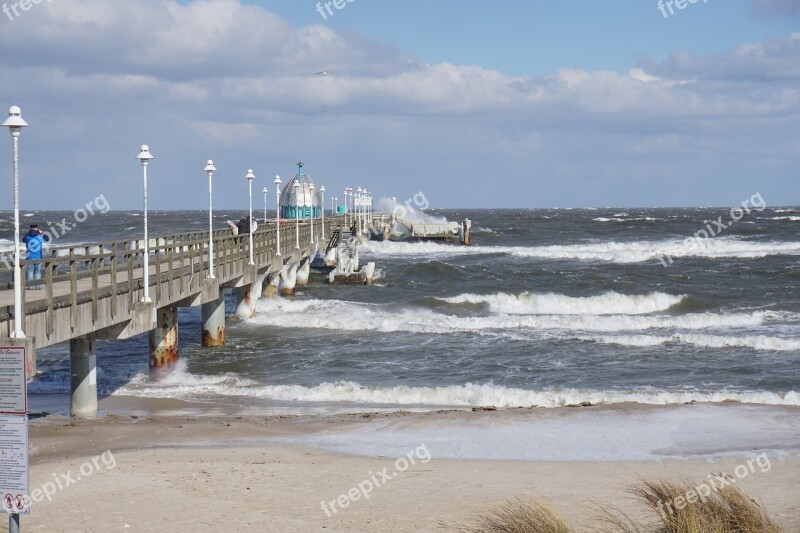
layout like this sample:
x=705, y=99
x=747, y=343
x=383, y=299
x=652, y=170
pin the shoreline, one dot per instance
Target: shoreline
x=119, y=412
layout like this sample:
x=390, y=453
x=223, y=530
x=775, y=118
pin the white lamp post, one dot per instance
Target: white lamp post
x=145, y=156
x=354, y=202
x=278, y=214
x=322, y=208
x=210, y=169
x=297, y=213
x=311, y=190
x=360, y=222
x=265, y=191
x=349, y=203
x=364, y=211
x=345, y=207
x=15, y=123
x=250, y=177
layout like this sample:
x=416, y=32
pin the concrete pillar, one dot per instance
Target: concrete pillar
x=164, y=343
x=246, y=298
x=369, y=273
x=213, y=317
x=304, y=272
x=289, y=280
x=242, y=295
x=270, y=288
x=83, y=377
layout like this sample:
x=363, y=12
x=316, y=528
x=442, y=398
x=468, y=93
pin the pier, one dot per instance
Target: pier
x=97, y=291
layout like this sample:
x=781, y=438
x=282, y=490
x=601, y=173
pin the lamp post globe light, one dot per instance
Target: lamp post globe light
x=265, y=191
x=311, y=190
x=15, y=123
x=210, y=169
x=250, y=177
x=297, y=214
x=322, y=209
x=145, y=156
x=277, y=183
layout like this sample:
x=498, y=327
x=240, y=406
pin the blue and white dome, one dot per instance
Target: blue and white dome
x=298, y=202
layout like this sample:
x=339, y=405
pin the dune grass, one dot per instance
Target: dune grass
x=726, y=510
x=519, y=516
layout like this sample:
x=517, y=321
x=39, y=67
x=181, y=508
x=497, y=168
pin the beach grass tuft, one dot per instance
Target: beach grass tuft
x=519, y=516
x=725, y=510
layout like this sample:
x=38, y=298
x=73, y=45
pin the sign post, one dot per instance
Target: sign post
x=14, y=478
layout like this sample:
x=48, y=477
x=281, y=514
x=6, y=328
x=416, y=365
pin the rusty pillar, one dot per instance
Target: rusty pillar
x=246, y=301
x=213, y=317
x=164, y=343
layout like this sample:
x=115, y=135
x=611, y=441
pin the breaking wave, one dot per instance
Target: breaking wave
x=756, y=342
x=610, y=303
x=188, y=386
x=615, y=252
x=346, y=316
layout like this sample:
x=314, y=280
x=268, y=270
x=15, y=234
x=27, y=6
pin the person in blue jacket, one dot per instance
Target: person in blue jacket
x=34, y=242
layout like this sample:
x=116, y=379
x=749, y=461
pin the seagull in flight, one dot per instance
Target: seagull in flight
x=325, y=73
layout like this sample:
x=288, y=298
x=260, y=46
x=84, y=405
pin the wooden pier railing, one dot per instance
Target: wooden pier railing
x=90, y=286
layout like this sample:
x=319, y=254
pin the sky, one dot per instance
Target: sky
x=518, y=103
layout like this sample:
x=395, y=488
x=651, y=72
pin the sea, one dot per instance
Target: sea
x=547, y=308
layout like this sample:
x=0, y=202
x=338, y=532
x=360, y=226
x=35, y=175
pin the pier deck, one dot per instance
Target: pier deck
x=96, y=290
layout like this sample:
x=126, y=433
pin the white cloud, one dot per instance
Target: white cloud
x=218, y=75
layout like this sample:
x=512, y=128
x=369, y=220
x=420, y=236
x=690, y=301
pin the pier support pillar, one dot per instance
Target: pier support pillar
x=270, y=288
x=289, y=280
x=83, y=377
x=304, y=272
x=246, y=298
x=164, y=343
x=213, y=317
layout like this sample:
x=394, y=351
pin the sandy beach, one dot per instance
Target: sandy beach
x=184, y=472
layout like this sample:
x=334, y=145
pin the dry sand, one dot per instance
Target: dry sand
x=226, y=473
